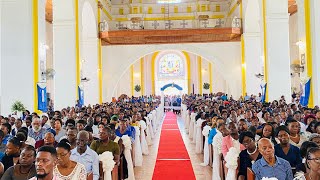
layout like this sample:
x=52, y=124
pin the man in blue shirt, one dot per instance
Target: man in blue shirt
x=6, y=129
x=86, y=156
x=271, y=166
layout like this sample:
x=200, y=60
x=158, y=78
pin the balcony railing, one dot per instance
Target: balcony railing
x=204, y=23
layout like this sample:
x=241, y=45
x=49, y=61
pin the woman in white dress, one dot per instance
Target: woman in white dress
x=65, y=168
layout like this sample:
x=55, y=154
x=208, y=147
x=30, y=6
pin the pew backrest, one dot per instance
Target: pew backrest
x=250, y=174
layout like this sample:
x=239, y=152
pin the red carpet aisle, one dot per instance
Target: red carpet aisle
x=173, y=161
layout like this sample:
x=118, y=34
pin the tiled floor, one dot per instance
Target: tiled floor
x=145, y=172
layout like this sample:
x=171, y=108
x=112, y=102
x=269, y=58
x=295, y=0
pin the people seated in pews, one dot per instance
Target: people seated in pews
x=125, y=129
x=271, y=166
x=6, y=129
x=269, y=133
x=47, y=141
x=242, y=126
x=60, y=132
x=45, y=163
x=25, y=169
x=302, y=167
x=12, y=153
x=231, y=140
x=30, y=140
x=66, y=168
x=105, y=144
x=37, y=132
x=22, y=138
x=286, y=150
x=71, y=136
x=315, y=138
x=249, y=155
x=296, y=138
x=85, y=155
x=313, y=164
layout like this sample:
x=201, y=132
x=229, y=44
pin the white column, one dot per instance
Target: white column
x=253, y=61
x=252, y=45
x=278, y=56
x=162, y=99
x=0, y=51
x=315, y=26
x=17, y=55
x=64, y=50
x=90, y=70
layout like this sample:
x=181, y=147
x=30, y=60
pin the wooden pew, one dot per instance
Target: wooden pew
x=222, y=168
x=210, y=155
x=100, y=171
x=250, y=174
x=90, y=176
x=114, y=172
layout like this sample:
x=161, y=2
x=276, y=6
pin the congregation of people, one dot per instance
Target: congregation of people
x=76, y=143
x=240, y=139
x=248, y=139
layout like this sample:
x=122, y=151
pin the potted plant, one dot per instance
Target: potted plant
x=206, y=86
x=137, y=88
x=18, y=107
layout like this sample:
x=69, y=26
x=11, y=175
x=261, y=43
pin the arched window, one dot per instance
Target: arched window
x=170, y=65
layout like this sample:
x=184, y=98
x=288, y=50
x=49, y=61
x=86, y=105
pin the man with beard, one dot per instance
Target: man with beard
x=37, y=132
x=45, y=162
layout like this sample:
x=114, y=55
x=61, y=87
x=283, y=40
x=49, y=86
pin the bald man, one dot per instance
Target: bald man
x=271, y=166
x=84, y=155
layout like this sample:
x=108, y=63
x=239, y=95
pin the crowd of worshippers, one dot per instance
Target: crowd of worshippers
x=65, y=144
x=278, y=140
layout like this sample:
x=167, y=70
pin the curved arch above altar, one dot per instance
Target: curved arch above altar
x=171, y=85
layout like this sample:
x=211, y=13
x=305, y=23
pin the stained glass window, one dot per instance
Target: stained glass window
x=170, y=65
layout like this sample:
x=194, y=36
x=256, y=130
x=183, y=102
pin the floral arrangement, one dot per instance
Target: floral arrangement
x=232, y=158
x=126, y=141
x=232, y=162
x=116, y=139
x=206, y=130
x=137, y=88
x=17, y=106
x=206, y=86
x=107, y=164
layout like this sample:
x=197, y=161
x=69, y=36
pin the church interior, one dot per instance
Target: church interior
x=160, y=89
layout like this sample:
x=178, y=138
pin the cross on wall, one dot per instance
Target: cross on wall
x=155, y=24
x=184, y=24
x=168, y=24
x=205, y=23
x=219, y=22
